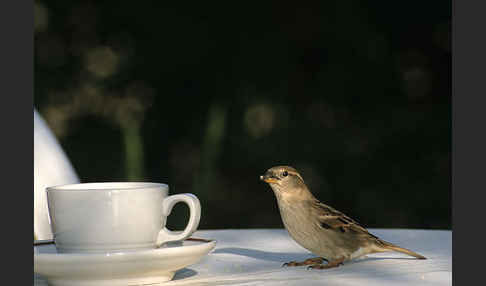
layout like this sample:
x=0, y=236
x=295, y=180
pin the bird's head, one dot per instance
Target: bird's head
x=285, y=181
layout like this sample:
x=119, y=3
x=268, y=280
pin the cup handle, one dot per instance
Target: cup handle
x=166, y=235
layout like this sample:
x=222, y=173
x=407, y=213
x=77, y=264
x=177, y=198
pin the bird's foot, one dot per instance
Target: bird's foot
x=310, y=261
x=330, y=264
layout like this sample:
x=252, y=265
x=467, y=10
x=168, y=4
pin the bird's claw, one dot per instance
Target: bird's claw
x=310, y=261
x=325, y=266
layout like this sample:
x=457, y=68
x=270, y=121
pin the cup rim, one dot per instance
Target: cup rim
x=108, y=186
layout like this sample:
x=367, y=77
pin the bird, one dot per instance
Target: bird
x=324, y=231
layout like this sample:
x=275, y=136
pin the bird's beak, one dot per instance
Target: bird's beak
x=267, y=178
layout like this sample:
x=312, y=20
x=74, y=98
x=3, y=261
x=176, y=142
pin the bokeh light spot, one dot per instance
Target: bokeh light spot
x=259, y=120
x=102, y=61
x=41, y=17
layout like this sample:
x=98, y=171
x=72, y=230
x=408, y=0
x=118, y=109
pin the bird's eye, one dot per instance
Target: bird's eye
x=285, y=174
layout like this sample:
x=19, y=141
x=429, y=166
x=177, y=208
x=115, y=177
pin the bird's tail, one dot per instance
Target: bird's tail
x=392, y=247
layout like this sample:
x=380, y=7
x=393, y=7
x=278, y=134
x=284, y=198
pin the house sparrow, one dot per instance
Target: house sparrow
x=319, y=228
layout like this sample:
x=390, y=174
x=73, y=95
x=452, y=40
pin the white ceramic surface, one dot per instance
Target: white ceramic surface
x=143, y=267
x=51, y=167
x=115, y=216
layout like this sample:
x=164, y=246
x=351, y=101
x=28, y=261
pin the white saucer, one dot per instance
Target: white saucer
x=142, y=267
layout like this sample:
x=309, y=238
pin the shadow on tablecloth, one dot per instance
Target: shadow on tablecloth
x=288, y=256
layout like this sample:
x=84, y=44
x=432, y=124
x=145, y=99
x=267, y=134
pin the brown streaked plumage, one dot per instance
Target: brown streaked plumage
x=319, y=228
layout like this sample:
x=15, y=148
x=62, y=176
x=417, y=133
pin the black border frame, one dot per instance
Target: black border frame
x=468, y=142
x=17, y=57
x=468, y=139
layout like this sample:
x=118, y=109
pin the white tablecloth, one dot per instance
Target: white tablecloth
x=255, y=257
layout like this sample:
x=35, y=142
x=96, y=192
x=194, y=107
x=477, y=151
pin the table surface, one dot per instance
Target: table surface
x=255, y=257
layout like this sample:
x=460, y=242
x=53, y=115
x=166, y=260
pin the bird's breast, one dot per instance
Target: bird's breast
x=305, y=229
x=302, y=227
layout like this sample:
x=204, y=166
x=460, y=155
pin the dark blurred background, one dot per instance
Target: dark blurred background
x=207, y=96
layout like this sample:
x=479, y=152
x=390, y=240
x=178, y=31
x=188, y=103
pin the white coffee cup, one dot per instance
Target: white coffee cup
x=111, y=217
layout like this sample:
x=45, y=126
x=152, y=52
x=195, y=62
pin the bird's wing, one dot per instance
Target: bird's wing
x=330, y=218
